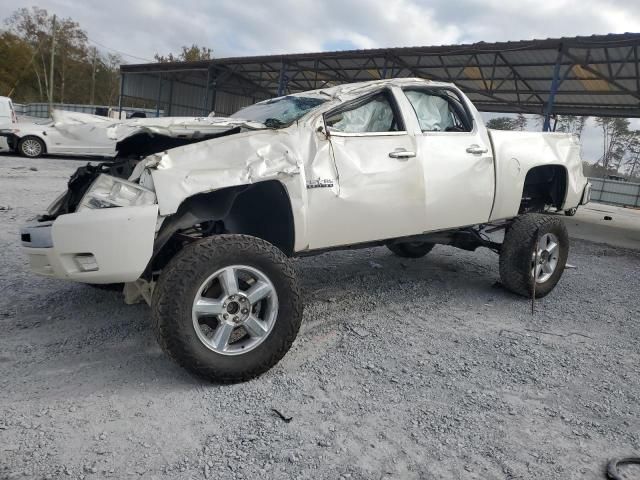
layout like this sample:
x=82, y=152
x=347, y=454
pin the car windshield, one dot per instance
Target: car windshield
x=279, y=112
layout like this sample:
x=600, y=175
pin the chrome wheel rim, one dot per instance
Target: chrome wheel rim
x=547, y=253
x=31, y=147
x=234, y=310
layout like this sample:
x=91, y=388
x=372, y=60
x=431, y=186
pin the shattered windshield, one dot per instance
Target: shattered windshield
x=279, y=112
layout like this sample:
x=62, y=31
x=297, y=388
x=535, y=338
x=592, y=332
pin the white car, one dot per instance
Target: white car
x=68, y=133
x=203, y=221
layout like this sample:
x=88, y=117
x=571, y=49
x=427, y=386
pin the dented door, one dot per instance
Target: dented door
x=374, y=190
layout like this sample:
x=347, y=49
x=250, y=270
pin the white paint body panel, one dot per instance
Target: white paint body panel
x=519, y=152
x=121, y=240
x=364, y=194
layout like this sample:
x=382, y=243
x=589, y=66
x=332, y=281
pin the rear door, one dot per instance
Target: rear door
x=457, y=160
x=375, y=190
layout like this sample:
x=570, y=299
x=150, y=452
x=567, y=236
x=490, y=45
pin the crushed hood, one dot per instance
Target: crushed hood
x=179, y=127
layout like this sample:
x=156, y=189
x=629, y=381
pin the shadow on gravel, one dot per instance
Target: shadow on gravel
x=68, y=335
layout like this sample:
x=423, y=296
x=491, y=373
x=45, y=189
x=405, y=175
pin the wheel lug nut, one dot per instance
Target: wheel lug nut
x=235, y=319
x=244, y=310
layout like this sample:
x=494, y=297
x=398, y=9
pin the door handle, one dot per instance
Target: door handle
x=476, y=149
x=402, y=153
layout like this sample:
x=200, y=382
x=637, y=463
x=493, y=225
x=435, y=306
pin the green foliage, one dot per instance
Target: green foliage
x=188, y=54
x=25, y=55
x=508, y=123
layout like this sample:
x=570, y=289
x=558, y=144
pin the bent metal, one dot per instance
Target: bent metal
x=209, y=211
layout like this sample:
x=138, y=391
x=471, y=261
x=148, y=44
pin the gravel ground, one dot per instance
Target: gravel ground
x=402, y=369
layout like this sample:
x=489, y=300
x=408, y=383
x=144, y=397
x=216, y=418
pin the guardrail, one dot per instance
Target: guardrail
x=614, y=192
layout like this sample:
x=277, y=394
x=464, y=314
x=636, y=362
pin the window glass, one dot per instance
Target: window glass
x=439, y=111
x=377, y=115
x=279, y=112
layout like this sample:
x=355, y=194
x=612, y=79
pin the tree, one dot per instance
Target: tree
x=508, y=123
x=25, y=52
x=571, y=124
x=188, y=54
x=615, y=137
x=16, y=77
x=632, y=165
x=502, y=123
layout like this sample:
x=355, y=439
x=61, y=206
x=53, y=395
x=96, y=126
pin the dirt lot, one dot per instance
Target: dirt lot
x=402, y=369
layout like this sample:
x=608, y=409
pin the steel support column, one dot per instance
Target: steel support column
x=283, y=79
x=159, y=98
x=206, y=92
x=122, y=77
x=555, y=82
x=170, y=106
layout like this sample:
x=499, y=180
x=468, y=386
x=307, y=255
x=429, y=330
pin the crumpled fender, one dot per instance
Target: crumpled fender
x=240, y=159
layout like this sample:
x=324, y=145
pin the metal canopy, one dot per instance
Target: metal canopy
x=596, y=76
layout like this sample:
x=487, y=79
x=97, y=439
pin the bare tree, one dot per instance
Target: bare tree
x=615, y=133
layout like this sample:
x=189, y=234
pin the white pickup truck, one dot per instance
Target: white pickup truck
x=200, y=216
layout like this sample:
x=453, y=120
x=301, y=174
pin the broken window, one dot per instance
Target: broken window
x=376, y=115
x=439, y=111
x=279, y=112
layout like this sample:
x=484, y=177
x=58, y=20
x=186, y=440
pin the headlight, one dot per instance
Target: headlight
x=107, y=192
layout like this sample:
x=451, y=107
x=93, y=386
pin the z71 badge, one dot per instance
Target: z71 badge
x=326, y=183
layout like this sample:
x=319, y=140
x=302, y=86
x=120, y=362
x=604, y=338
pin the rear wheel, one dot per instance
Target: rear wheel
x=410, y=249
x=571, y=212
x=228, y=307
x=31, y=147
x=535, y=247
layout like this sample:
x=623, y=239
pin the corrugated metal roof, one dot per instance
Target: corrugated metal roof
x=598, y=75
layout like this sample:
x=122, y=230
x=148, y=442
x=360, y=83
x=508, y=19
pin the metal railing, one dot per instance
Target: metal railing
x=614, y=192
x=41, y=110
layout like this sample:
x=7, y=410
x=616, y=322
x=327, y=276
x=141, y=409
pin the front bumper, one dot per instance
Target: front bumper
x=110, y=245
x=11, y=138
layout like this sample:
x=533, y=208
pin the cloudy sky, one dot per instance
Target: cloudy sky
x=141, y=28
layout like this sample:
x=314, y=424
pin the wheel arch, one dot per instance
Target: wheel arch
x=546, y=183
x=262, y=209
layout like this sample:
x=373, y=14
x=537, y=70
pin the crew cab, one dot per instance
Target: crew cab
x=199, y=217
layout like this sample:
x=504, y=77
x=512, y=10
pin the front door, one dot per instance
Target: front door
x=375, y=186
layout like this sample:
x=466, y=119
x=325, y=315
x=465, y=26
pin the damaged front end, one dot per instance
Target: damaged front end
x=136, y=141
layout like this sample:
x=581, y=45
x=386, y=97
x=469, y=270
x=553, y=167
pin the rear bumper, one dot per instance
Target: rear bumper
x=110, y=245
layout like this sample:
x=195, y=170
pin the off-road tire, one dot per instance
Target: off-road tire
x=411, y=249
x=518, y=249
x=171, y=306
x=25, y=153
x=571, y=212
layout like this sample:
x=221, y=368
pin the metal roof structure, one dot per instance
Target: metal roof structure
x=597, y=75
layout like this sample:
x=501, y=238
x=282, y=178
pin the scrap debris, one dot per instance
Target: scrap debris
x=283, y=417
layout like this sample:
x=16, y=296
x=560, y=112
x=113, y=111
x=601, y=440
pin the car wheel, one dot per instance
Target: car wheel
x=571, y=212
x=227, y=307
x=410, y=249
x=31, y=147
x=530, y=237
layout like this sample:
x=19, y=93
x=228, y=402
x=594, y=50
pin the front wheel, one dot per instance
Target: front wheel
x=228, y=307
x=535, y=248
x=31, y=147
